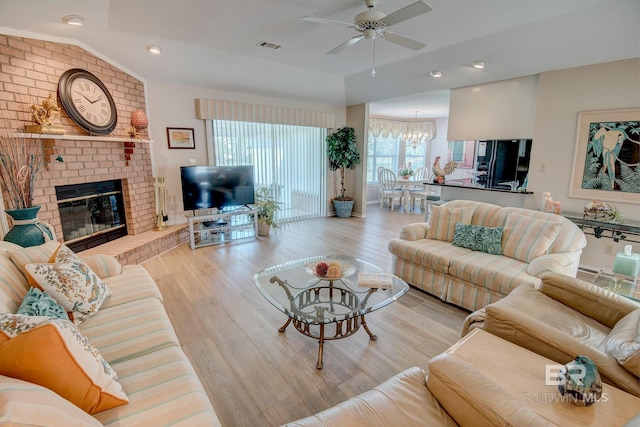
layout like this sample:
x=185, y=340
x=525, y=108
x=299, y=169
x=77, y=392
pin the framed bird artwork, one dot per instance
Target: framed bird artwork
x=606, y=163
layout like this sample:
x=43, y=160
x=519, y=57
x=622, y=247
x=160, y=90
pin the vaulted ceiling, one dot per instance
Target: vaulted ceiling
x=215, y=43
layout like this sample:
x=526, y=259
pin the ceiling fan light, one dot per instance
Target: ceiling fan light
x=154, y=50
x=478, y=63
x=76, y=20
x=436, y=74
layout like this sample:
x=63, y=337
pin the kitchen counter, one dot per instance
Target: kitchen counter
x=464, y=189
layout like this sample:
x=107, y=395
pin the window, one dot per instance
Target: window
x=382, y=152
x=289, y=160
x=462, y=152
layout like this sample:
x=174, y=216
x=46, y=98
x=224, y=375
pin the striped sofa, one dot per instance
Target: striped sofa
x=133, y=334
x=532, y=242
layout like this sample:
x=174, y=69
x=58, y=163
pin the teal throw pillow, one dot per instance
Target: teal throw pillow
x=38, y=303
x=479, y=238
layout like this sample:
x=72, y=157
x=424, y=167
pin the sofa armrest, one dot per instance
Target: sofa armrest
x=561, y=262
x=103, y=265
x=593, y=301
x=473, y=399
x=528, y=332
x=415, y=231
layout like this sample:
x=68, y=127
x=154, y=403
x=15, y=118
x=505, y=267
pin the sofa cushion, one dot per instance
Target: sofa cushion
x=427, y=253
x=130, y=330
x=164, y=391
x=13, y=285
x=55, y=354
x=38, y=303
x=443, y=220
x=33, y=254
x=26, y=404
x=495, y=272
x=71, y=282
x=623, y=342
x=134, y=283
x=525, y=238
x=479, y=238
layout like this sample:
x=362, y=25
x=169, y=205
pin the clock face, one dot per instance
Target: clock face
x=90, y=101
x=87, y=101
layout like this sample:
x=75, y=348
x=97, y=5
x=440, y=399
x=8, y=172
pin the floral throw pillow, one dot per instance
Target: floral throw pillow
x=38, y=303
x=55, y=354
x=68, y=280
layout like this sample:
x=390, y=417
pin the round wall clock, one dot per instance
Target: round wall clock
x=87, y=101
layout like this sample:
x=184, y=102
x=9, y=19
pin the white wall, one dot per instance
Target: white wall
x=175, y=106
x=561, y=95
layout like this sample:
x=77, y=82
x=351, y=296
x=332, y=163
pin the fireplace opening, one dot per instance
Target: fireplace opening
x=91, y=213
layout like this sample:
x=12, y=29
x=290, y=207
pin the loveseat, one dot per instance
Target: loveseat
x=473, y=253
x=119, y=360
x=567, y=317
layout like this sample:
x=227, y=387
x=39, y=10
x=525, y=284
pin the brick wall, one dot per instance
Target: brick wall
x=29, y=72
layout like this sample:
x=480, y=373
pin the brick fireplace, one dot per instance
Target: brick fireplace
x=30, y=71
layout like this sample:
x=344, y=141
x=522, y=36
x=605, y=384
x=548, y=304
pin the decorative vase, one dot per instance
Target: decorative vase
x=343, y=208
x=139, y=119
x=27, y=229
x=405, y=176
x=263, y=229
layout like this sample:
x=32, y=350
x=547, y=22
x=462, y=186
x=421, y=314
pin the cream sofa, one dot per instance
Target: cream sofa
x=532, y=242
x=132, y=333
x=567, y=317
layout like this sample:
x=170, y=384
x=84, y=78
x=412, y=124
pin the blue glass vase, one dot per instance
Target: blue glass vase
x=27, y=229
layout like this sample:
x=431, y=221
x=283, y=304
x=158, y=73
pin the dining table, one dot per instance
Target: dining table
x=407, y=185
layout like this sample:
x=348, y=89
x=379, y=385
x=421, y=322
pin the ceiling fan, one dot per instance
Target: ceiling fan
x=372, y=23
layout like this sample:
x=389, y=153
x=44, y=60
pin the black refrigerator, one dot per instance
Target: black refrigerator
x=501, y=161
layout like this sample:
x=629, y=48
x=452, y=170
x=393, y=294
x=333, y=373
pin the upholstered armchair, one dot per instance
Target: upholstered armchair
x=567, y=317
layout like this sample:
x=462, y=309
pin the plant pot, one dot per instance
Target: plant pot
x=263, y=229
x=27, y=229
x=343, y=208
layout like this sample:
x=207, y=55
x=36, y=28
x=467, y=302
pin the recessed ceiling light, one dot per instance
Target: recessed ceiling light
x=73, y=20
x=479, y=64
x=154, y=50
x=436, y=73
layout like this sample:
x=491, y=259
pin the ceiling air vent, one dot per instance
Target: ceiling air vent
x=269, y=45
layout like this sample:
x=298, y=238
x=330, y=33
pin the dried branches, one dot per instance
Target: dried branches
x=21, y=160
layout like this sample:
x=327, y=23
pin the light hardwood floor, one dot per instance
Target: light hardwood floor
x=256, y=376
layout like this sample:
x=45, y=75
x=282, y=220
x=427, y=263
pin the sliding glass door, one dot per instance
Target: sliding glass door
x=289, y=160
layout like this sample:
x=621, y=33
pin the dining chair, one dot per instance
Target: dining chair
x=425, y=192
x=387, y=182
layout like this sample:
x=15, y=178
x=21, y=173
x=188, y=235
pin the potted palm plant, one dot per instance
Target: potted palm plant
x=267, y=207
x=343, y=154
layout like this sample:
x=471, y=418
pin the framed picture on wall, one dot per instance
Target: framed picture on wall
x=181, y=138
x=606, y=164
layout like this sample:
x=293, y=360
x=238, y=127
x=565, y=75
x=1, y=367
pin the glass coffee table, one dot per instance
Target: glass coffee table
x=313, y=300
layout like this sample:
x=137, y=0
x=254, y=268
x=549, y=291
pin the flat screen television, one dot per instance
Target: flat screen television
x=206, y=187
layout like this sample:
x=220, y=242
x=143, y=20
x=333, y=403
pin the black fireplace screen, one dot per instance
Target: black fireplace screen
x=91, y=213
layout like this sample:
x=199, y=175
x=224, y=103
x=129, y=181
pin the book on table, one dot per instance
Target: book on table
x=375, y=280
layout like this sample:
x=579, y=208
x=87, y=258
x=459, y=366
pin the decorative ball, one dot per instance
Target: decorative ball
x=580, y=381
x=139, y=119
x=321, y=269
x=334, y=271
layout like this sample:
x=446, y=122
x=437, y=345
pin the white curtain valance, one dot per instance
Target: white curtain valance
x=386, y=126
x=215, y=109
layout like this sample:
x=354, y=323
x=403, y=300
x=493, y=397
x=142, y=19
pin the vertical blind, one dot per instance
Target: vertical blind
x=289, y=160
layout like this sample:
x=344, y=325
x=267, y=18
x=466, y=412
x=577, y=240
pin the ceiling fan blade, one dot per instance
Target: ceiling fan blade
x=327, y=21
x=415, y=9
x=343, y=46
x=403, y=41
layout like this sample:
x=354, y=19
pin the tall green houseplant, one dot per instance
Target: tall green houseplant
x=343, y=154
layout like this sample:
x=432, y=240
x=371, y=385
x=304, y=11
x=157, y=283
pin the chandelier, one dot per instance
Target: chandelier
x=416, y=133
